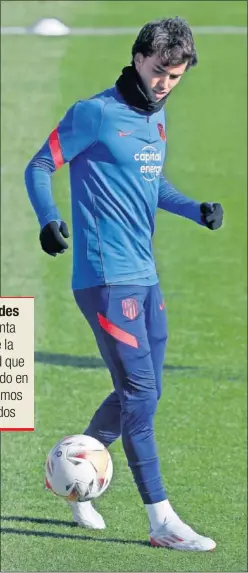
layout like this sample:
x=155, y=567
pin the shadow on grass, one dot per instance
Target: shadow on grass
x=42, y=520
x=38, y=520
x=87, y=361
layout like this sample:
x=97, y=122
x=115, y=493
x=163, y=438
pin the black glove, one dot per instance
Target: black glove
x=51, y=239
x=212, y=215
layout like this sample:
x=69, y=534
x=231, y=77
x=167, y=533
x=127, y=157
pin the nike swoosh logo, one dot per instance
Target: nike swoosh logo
x=124, y=133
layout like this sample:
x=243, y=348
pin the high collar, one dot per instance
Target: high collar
x=133, y=90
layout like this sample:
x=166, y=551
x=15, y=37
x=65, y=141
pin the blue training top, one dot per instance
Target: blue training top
x=116, y=155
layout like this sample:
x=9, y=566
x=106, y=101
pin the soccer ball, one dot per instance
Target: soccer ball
x=78, y=468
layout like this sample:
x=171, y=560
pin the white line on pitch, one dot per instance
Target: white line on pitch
x=210, y=30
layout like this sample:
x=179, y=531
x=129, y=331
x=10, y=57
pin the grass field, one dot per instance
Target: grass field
x=201, y=419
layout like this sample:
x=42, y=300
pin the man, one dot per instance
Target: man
x=115, y=145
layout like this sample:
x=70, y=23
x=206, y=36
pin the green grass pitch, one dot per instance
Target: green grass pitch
x=201, y=419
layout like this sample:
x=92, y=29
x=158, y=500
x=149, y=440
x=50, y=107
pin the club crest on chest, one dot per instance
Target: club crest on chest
x=161, y=131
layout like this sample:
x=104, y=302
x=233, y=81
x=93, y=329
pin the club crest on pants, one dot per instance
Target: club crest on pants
x=130, y=307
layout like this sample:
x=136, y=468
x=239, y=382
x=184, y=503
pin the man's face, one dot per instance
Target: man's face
x=158, y=79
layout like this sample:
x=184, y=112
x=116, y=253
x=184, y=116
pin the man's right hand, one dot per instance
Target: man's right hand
x=51, y=238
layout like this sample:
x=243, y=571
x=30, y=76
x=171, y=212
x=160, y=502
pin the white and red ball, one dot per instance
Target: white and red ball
x=78, y=468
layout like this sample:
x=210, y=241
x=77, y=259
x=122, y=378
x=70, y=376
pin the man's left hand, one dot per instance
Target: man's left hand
x=212, y=215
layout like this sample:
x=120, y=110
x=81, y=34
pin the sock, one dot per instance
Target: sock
x=159, y=512
x=85, y=503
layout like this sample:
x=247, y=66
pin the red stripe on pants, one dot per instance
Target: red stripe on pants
x=116, y=332
x=55, y=149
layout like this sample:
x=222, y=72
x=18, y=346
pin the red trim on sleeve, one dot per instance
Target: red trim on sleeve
x=55, y=149
x=116, y=332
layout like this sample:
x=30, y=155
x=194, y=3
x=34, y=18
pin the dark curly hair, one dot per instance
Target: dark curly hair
x=171, y=39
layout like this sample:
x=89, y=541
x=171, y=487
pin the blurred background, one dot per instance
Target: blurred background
x=201, y=419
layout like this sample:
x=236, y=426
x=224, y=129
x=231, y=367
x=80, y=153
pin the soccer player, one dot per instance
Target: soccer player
x=115, y=144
